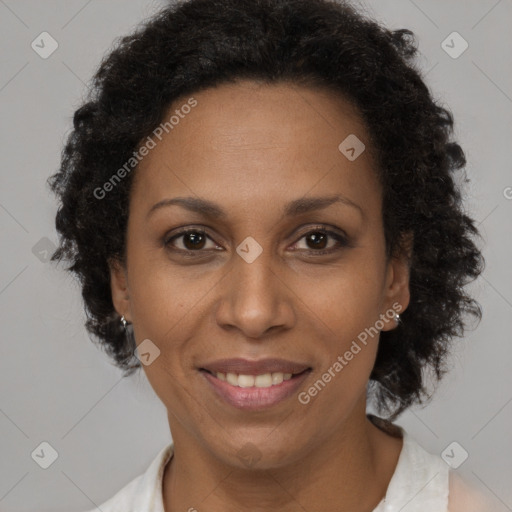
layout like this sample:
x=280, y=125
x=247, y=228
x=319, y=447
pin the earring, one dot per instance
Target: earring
x=397, y=318
x=123, y=321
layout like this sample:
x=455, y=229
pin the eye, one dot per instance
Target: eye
x=193, y=240
x=317, y=241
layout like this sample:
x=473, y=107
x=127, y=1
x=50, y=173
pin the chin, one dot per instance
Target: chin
x=256, y=449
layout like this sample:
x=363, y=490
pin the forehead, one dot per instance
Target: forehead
x=255, y=141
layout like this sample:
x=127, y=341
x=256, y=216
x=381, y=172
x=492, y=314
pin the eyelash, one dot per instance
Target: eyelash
x=340, y=239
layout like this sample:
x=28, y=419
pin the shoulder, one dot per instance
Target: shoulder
x=442, y=485
x=424, y=476
x=424, y=482
x=419, y=482
x=465, y=498
x=123, y=499
x=143, y=492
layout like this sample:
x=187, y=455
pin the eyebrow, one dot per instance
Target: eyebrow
x=293, y=208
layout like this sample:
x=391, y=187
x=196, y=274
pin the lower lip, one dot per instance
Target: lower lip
x=255, y=399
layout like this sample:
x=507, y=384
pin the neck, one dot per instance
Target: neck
x=350, y=471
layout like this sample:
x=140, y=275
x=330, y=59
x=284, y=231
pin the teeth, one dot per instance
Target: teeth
x=260, y=381
x=245, y=381
x=277, y=378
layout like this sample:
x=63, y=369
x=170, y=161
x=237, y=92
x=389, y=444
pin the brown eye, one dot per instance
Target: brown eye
x=317, y=242
x=192, y=240
x=318, y=239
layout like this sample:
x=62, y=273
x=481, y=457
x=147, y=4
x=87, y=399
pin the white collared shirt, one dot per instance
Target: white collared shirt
x=420, y=483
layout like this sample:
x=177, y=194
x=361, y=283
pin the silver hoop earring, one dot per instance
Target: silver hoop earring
x=123, y=321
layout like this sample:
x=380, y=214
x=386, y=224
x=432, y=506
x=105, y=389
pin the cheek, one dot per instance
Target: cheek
x=348, y=305
x=170, y=385
x=160, y=296
x=349, y=297
x=165, y=306
x=346, y=358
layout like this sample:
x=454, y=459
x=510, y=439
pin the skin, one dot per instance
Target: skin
x=252, y=148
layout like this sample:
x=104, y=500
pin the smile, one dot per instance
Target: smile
x=254, y=392
x=259, y=381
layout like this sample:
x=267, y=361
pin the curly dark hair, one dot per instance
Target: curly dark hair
x=196, y=44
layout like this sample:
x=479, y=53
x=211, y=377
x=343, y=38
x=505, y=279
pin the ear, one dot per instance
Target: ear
x=397, y=294
x=119, y=288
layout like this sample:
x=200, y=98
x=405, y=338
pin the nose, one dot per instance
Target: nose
x=255, y=298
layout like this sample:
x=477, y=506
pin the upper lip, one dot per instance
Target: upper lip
x=260, y=367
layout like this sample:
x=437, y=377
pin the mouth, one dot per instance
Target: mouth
x=241, y=366
x=264, y=380
x=254, y=385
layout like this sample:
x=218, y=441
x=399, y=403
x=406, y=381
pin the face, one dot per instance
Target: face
x=284, y=260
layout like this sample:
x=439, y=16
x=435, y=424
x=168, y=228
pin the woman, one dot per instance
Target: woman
x=258, y=200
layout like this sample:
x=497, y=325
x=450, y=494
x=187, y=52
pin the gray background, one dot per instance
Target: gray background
x=57, y=387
